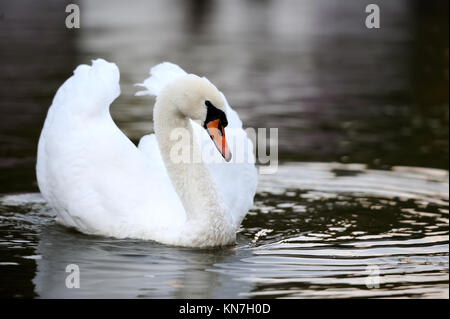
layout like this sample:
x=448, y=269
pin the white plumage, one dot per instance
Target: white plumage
x=100, y=183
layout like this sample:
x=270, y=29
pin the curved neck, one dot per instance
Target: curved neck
x=191, y=180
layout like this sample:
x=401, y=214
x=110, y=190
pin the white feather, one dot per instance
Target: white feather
x=237, y=182
x=99, y=182
x=160, y=76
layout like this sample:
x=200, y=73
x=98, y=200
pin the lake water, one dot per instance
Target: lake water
x=339, y=94
x=317, y=230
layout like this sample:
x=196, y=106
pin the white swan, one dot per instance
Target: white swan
x=100, y=183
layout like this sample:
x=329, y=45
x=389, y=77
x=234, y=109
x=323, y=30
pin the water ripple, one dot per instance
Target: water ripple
x=316, y=230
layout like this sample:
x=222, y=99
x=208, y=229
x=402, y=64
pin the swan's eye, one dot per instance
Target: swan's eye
x=215, y=124
x=213, y=113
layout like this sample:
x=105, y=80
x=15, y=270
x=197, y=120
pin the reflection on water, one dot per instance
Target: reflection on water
x=313, y=232
x=336, y=91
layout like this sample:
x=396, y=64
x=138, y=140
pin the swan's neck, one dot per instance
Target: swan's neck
x=206, y=215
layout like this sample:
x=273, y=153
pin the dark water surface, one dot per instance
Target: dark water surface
x=316, y=230
x=338, y=93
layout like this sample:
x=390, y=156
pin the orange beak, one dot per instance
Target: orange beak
x=217, y=133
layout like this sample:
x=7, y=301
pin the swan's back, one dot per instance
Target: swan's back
x=91, y=173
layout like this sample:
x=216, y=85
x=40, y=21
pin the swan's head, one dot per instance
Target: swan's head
x=199, y=100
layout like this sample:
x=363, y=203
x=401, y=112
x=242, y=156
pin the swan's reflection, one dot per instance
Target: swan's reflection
x=111, y=268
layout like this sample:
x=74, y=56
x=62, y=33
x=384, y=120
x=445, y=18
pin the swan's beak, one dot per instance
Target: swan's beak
x=217, y=133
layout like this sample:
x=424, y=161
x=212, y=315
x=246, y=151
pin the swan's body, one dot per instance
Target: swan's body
x=100, y=183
